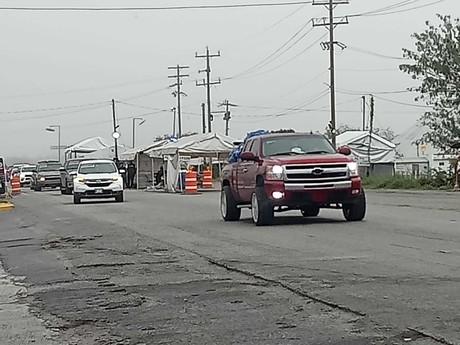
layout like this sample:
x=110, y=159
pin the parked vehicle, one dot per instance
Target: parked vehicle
x=68, y=173
x=26, y=174
x=97, y=179
x=295, y=171
x=46, y=175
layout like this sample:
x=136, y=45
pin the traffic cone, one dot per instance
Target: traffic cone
x=15, y=185
x=190, y=182
x=207, y=178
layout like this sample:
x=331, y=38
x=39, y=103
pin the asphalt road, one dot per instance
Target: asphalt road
x=165, y=269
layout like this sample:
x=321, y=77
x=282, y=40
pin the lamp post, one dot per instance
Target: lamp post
x=53, y=128
x=134, y=128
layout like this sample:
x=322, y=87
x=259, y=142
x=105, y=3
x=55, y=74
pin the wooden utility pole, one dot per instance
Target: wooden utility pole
x=208, y=83
x=178, y=93
x=371, y=129
x=364, y=112
x=331, y=22
x=227, y=116
x=203, y=114
x=115, y=127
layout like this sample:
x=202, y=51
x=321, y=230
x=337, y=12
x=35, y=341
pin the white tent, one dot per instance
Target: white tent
x=96, y=147
x=199, y=145
x=373, y=151
x=177, y=154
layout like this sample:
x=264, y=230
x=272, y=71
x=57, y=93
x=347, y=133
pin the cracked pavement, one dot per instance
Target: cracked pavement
x=164, y=269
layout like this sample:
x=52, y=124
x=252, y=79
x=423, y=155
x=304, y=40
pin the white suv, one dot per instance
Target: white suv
x=97, y=179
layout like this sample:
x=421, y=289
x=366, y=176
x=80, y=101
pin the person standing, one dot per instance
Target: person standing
x=131, y=173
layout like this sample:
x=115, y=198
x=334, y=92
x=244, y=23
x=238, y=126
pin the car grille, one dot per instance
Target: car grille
x=316, y=174
x=98, y=183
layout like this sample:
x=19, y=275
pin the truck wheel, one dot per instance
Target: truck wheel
x=76, y=199
x=310, y=211
x=228, y=207
x=261, y=210
x=355, y=212
x=119, y=198
x=37, y=188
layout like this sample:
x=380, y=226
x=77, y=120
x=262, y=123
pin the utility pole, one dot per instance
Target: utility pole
x=227, y=116
x=364, y=112
x=331, y=23
x=178, y=93
x=115, y=134
x=203, y=114
x=208, y=83
x=371, y=128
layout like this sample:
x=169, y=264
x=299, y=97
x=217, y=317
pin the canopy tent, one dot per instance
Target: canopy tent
x=146, y=165
x=199, y=145
x=96, y=147
x=368, y=149
x=177, y=154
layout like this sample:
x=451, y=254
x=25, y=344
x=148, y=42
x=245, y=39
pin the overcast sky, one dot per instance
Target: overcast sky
x=79, y=60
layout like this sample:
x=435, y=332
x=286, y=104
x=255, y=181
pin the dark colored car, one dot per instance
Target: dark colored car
x=46, y=175
x=68, y=172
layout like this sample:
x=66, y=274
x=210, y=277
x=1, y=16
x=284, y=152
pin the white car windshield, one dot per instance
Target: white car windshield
x=97, y=168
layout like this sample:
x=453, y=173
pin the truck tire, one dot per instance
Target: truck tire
x=76, y=198
x=228, y=206
x=261, y=210
x=310, y=211
x=357, y=211
x=37, y=188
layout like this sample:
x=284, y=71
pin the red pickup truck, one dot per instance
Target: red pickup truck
x=295, y=171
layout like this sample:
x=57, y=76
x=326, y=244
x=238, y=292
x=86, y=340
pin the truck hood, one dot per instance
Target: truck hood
x=308, y=159
x=49, y=173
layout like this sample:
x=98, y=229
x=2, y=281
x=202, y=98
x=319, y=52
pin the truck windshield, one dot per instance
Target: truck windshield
x=28, y=169
x=97, y=168
x=72, y=165
x=49, y=166
x=296, y=145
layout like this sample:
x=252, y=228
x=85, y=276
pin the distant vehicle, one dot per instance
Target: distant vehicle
x=97, y=179
x=296, y=171
x=46, y=175
x=26, y=174
x=68, y=173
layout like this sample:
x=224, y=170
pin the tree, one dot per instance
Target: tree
x=437, y=66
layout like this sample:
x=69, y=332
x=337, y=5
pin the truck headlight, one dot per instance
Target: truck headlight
x=275, y=172
x=42, y=179
x=81, y=180
x=353, y=169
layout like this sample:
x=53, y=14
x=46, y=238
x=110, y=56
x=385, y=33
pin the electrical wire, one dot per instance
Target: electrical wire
x=365, y=51
x=354, y=92
x=51, y=109
x=403, y=103
x=396, y=12
x=159, y=8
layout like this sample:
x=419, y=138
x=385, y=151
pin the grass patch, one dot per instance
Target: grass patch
x=432, y=182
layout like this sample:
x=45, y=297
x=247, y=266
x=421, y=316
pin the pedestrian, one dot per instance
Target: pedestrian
x=131, y=173
x=159, y=176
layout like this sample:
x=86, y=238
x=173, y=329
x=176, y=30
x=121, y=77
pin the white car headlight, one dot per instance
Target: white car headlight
x=353, y=169
x=42, y=179
x=275, y=172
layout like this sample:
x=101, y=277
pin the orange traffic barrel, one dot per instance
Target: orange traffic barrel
x=15, y=184
x=207, y=179
x=190, y=182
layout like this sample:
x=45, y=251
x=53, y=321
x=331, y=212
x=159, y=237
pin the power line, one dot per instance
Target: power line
x=357, y=92
x=396, y=12
x=159, y=8
x=403, y=103
x=360, y=50
x=50, y=109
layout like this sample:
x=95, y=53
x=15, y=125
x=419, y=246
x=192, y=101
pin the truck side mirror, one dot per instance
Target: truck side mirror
x=344, y=150
x=249, y=156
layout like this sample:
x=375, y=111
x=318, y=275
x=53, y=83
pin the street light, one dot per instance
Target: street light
x=134, y=128
x=53, y=128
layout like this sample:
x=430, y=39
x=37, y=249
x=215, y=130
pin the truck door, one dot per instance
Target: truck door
x=241, y=170
x=249, y=171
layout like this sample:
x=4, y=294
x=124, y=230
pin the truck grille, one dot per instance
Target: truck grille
x=316, y=176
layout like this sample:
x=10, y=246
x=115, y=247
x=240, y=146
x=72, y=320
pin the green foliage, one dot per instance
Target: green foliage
x=437, y=179
x=437, y=66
